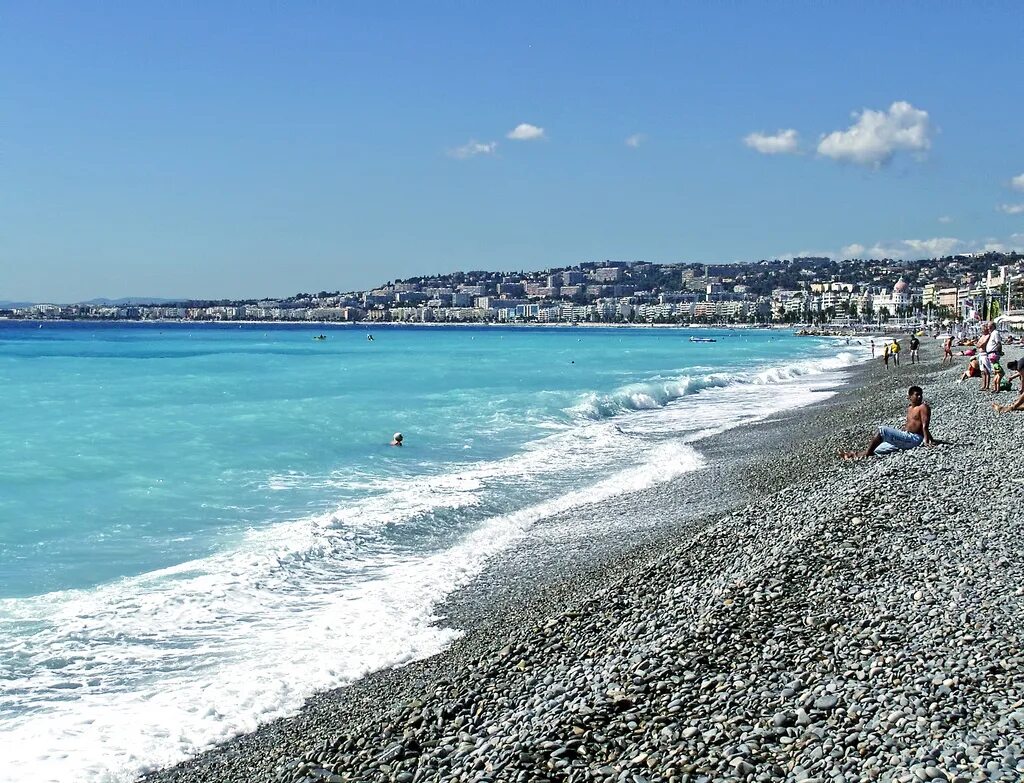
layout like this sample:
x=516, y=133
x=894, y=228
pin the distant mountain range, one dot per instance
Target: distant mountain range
x=126, y=301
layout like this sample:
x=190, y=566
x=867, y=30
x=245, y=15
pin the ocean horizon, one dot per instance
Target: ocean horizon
x=201, y=525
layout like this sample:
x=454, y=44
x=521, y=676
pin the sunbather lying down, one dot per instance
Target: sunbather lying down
x=889, y=439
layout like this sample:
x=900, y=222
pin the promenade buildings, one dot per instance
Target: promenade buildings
x=800, y=290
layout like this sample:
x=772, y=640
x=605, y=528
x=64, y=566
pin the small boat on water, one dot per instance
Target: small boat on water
x=703, y=340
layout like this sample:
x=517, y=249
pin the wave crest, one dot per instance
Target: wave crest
x=662, y=392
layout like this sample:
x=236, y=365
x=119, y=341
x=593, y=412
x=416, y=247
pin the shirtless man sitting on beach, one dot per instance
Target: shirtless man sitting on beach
x=889, y=439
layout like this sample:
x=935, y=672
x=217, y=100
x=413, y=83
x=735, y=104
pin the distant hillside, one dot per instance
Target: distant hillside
x=129, y=301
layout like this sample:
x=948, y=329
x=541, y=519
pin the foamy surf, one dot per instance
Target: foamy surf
x=149, y=671
x=661, y=392
x=142, y=671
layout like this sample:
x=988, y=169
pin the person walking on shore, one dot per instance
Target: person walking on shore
x=890, y=439
x=872, y=349
x=914, y=345
x=947, y=350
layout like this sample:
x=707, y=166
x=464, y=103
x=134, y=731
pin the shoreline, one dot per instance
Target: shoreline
x=857, y=578
x=839, y=332
x=487, y=609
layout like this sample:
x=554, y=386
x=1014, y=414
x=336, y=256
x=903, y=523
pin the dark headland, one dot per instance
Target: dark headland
x=779, y=615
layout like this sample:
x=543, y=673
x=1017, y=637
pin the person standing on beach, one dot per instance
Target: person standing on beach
x=995, y=339
x=947, y=350
x=999, y=382
x=889, y=439
x=885, y=354
x=986, y=366
x=914, y=345
x=896, y=352
x=872, y=349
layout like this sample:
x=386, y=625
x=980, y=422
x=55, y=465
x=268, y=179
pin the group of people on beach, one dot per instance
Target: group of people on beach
x=986, y=362
x=891, y=350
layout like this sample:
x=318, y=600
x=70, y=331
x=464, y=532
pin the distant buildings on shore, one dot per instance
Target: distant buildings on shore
x=801, y=290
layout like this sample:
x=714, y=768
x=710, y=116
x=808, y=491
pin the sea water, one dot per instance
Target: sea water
x=201, y=525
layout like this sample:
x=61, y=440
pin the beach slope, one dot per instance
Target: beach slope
x=818, y=620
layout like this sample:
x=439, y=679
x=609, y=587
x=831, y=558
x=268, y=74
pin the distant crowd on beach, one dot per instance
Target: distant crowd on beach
x=891, y=350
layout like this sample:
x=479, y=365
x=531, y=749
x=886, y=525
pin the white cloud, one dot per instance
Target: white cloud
x=473, y=148
x=1012, y=209
x=524, y=131
x=1012, y=244
x=878, y=135
x=999, y=247
x=907, y=248
x=1017, y=183
x=929, y=248
x=636, y=140
x=915, y=249
x=784, y=142
x=945, y=219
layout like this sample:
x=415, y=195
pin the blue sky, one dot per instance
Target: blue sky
x=259, y=149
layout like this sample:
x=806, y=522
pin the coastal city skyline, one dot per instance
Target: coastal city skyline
x=868, y=292
x=197, y=152
x=563, y=392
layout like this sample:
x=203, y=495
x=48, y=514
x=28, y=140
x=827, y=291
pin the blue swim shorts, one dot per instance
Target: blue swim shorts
x=898, y=439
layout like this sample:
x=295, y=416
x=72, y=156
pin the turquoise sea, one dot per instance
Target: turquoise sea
x=201, y=525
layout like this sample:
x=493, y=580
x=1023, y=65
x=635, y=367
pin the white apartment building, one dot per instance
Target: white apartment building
x=607, y=274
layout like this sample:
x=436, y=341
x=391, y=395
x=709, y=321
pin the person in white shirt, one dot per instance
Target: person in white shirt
x=982, y=353
x=995, y=340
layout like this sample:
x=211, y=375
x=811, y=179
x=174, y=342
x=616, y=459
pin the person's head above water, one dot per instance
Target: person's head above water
x=397, y=440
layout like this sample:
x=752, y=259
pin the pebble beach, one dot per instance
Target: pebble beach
x=780, y=615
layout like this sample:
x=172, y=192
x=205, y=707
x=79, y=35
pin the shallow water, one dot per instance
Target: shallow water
x=200, y=525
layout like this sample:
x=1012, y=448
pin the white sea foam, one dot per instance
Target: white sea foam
x=149, y=670
x=659, y=393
